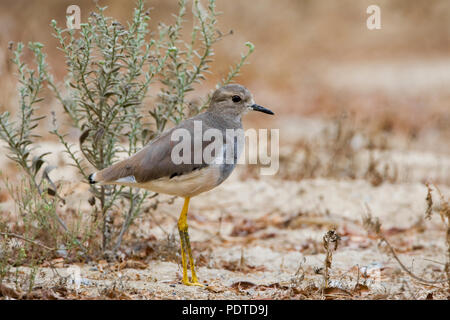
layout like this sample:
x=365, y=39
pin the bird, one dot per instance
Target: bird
x=153, y=167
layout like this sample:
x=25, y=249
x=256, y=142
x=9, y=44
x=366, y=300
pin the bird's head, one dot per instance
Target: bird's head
x=234, y=100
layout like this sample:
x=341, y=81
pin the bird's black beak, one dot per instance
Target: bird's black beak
x=257, y=107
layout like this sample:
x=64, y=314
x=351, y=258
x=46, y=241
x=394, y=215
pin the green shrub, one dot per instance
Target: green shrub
x=110, y=68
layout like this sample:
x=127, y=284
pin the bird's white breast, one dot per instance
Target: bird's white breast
x=192, y=183
x=185, y=185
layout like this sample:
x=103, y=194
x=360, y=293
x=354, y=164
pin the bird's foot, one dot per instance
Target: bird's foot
x=194, y=282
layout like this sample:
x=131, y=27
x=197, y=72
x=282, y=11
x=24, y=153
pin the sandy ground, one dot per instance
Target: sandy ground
x=262, y=238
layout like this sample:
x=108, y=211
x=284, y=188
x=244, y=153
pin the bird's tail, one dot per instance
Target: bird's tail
x=97, y=178
x=112, y=174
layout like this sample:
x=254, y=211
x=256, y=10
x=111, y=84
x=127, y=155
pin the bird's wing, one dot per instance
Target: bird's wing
x=154, y=161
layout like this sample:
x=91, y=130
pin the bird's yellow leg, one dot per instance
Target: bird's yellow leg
x=186, y=246
x=183, y=254
x=191, y=259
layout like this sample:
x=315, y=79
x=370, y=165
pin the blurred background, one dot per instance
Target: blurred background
x=313, y=60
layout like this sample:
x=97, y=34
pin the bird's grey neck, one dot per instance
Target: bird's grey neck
x=229, y=120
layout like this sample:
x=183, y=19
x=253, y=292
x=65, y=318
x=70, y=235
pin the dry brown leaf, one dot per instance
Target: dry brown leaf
x=215, y=289
x=333, y=292
x=134, y=264
x=57, y=263
x=246, y=227
x=244, y=268
x=243, y=285
x=117, y=295
x=362, y=289
x=43, y=294
x=8, y=292
x=102, y=265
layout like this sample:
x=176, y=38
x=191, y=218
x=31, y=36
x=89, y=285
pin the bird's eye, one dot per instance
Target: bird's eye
x=236, y=98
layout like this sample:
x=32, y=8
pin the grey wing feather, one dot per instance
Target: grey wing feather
x=154, y=161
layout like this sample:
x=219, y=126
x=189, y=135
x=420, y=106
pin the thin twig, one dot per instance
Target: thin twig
x=405, y=268
x=8, y=234
x=375, y=227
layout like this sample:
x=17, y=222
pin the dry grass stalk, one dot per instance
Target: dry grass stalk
x=13, y=235
x=329, y=239
x=373, y=225
x=429, y=200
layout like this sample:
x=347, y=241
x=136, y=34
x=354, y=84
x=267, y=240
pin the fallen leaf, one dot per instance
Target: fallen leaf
x=215, y=289
x=6, y=291
x=134, y=264
x=242, y=285
x=333, y=292
x=117, y=295
x=101, y=265
x=361, y=288
x=394, y=230
x=43, y=294
x=247, y=226
x=57, y=263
